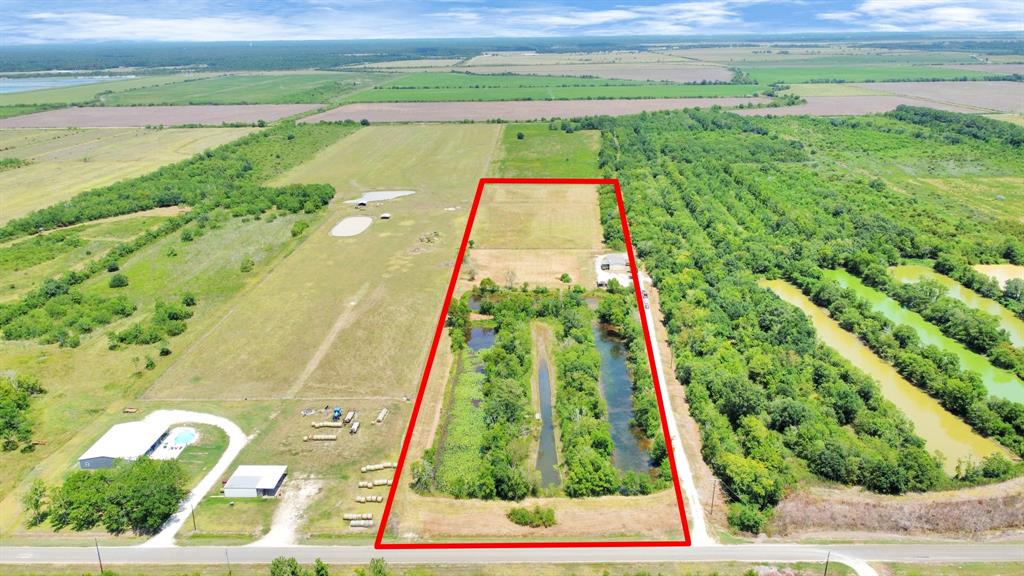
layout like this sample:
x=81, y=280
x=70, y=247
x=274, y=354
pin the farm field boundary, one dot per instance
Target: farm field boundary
x=379, y=542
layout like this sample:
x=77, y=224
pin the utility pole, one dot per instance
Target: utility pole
x=228, y=560
x=827, y=557
x=194, y=529
x=714, y=491
x=98, y=557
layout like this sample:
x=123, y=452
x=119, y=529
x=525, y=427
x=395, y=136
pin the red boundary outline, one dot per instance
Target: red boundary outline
x=379, y=542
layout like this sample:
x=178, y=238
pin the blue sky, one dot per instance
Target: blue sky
x=47, y=21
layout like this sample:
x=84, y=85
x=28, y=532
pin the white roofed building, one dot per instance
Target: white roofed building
x=254, y=481
x=127, y=441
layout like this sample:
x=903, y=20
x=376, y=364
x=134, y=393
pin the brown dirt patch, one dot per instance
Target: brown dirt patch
x=517, y=110
x=982, y=512
x=1000, y=96
x=133, y=116
x=536, y=267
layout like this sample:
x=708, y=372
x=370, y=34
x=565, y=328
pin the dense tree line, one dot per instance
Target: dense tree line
x=231, y=176
x=134, y=496
x=16, y=393
x=716, y=201
x=953, y=125
x=956, y=267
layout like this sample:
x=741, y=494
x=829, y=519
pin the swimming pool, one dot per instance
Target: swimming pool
x=181, y=437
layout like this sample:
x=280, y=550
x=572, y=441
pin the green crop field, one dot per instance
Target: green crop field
x=450, y=86
x=547, y=152
x=857, y=73
x=321, y=87
x=83, y=93
x=66, y=162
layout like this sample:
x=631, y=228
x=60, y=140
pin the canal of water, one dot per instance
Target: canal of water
x=617, y=388
x=547, y=455
x=998, y=382
x=941, y=430
x=1007, y=320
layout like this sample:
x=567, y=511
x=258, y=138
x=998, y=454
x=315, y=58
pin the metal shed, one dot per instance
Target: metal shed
x=254, y=481
x=127, y=441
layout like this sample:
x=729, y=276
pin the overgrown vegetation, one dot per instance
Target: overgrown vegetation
x=134, y=496
x=536, y=517
x=716, y=201
x=16, y=393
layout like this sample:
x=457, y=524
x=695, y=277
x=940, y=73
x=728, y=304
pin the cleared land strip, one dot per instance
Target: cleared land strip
x=136, y=116
x=996, y=95
x=514, y=110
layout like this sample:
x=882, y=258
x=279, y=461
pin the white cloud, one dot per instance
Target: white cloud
x=934, y=15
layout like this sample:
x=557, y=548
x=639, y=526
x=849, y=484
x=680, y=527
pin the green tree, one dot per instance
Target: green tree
x=34, y=501
x=118, y=280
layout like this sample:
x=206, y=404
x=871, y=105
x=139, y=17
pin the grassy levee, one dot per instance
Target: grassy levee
x=83, y=93
x=294, y=88
x=66, y=162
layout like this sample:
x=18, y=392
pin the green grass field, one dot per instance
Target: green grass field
x=83, y=93
x=221, y=521
x=320, y=87
x=547, y=153
x=450, y=86
x=856, y=73
x=66, y=162
x=18, y=110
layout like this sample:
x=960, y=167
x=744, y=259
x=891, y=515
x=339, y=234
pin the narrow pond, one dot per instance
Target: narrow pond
x=617, y=388
x=941, y=431
x=998, y=382
x=547, y=455
x=1007, y=320
x=480, y=338
x=27, y=84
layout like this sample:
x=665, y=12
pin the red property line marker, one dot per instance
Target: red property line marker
x=379, y=542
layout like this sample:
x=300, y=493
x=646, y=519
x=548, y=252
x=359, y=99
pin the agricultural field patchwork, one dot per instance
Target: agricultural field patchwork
x=62, y=163
x=145, y=116
x=310, y=88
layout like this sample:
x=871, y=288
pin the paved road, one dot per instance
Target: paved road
x=767, y=553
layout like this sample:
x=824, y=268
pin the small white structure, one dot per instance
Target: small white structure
x=615, y=266
x=255, y=481
x=127, y=441
x=385, y=216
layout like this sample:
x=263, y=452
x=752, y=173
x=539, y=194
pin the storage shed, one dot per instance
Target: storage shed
x=255, y=481
x=127, y=441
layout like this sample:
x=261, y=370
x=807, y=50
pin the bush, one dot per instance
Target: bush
x=565, y=278
x=112, y=266
x=747, y=518
x=520, y=136
x=299, y=227
x=118, y=280
x=537, y=517
x=247, y=265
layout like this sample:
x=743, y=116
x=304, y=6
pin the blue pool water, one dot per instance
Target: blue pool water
x=184, y=437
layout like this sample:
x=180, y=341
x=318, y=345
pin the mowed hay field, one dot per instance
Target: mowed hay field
x=350, y=317
x=316, y=87
x=66, y=162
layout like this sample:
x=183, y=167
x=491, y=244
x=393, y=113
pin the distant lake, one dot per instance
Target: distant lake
x=11, y=85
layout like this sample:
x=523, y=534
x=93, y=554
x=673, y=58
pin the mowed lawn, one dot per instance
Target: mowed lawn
x=248, y=89
x=66, y=162
x=451, y=86
x=544, y=152
x=84, y=92
x=350, y=317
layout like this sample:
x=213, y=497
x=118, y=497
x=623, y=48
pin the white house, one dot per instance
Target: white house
x=127, y=441
x=255, y=481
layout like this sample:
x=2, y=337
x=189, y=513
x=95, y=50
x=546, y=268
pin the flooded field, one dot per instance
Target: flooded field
x=1007, y=320
x=998, y=382
x=941, y=431
x=617, y=387
x=1003, y=273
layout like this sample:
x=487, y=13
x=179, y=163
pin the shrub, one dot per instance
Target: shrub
x=188, y=299
x=537, y=517
x=112, y=266
x=747, y=518
x=520, y=136
x=299, y=227
x=364, y=122
x=565, y=278
x=247, y=265
x=118, y=280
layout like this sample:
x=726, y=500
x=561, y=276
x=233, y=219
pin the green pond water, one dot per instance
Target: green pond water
x=942, y=431
x=1007, y=320
x=998, y=382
